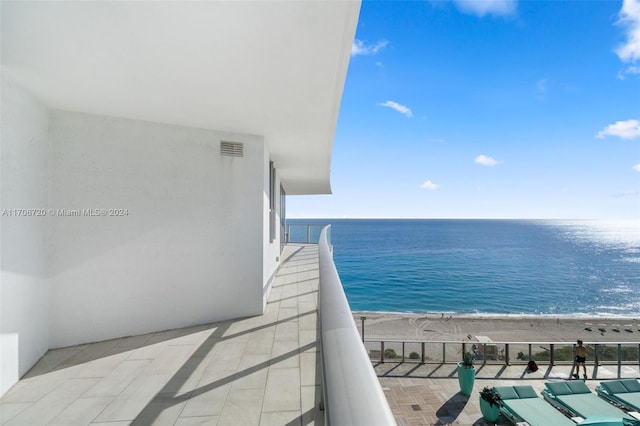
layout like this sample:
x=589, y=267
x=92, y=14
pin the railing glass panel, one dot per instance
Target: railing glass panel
x=305, y=233
x=449, y=352
x=352, y=392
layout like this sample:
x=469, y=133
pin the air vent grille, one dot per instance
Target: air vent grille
x=231, y=149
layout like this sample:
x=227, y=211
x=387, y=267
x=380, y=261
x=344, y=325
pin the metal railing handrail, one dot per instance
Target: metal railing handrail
x=502, y=342
x=504, y=355
x=351, y=390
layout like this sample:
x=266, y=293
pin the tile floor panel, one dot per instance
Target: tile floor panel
x=82, y=411
x=52, y=404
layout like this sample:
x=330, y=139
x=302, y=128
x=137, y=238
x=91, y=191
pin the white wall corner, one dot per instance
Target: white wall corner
x=24, y=285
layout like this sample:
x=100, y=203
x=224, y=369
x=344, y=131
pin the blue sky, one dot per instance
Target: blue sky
x=488, y=109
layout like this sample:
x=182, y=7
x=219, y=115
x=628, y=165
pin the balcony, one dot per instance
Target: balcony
x=267, y=370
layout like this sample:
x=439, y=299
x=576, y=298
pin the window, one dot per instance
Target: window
x=283, y=217
x=272, y=202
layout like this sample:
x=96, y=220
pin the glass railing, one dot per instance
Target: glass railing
x=352, y=394
x=508, y=353
x=305, y=233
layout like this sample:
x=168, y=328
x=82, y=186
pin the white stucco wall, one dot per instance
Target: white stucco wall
x=188, y=250
x=24, y=294
x=185, y=239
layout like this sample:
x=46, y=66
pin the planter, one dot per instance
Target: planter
x=489, y=412
x=466, y=377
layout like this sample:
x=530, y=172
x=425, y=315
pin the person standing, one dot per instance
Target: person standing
x=580, y=353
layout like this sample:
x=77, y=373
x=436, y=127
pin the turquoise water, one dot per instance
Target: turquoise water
x=489, y=266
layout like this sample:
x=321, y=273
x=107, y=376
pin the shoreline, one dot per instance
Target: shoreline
x=497, y=327
x=490, y=315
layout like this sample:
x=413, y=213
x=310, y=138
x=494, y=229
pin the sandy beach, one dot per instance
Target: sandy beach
x=499, y=328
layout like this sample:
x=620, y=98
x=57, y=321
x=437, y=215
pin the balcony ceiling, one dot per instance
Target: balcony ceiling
x=270, y=68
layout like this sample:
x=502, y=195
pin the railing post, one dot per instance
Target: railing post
x=529, y=351
x=402, y=351
x=552, y=354
x=463, y=349
x=382, y=352
x=444, y=352
x=308, y=234
x=619, y=360
x=596, y=358
x=422, y=352
x=506, y=354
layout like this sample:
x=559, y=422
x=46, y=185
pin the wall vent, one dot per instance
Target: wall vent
x=231, y=149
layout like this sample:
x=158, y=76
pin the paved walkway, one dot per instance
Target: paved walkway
x=429, y=394
x=261, y=370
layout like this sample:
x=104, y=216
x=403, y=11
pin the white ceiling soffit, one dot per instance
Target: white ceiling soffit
x=270, y=68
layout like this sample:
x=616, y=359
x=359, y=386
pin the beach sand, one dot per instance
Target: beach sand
x=499, y=328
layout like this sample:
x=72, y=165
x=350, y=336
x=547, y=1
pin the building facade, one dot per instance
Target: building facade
x=143, y=168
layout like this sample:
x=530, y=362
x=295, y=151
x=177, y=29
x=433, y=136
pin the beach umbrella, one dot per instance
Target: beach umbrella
x=608, y=421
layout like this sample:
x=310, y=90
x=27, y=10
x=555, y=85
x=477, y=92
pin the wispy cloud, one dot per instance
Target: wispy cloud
x=400, y=108
x=628, y=129
x=629, y=17
x=487, y=7
x=484, y=160
x=359, y=47
x=632, y=70
x=636, y=167
x=628, y=193
x=430, y=186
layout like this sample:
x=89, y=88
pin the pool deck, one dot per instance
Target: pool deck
x=429, y=394
x=262, y=370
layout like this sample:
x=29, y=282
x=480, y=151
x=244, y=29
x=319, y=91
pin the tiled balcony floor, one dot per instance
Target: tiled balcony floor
x=261, y=370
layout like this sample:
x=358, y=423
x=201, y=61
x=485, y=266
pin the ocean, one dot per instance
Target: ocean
x=520, y=267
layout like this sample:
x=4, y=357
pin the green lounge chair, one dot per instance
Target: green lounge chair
x=624, y=393
x=522, y=404
x=574, y=398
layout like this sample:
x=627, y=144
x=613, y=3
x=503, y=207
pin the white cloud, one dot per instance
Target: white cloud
x=484, y=160
x=632, y=70
x=630, y=18
x=400, y=108
x=487, y=7
x=360, y=48
x=430, y=186
x=636, y=167
x=628, y=193
x=629, y=129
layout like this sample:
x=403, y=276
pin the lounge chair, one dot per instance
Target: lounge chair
x=574, y=398
x=624, y=393
x=522, y=404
